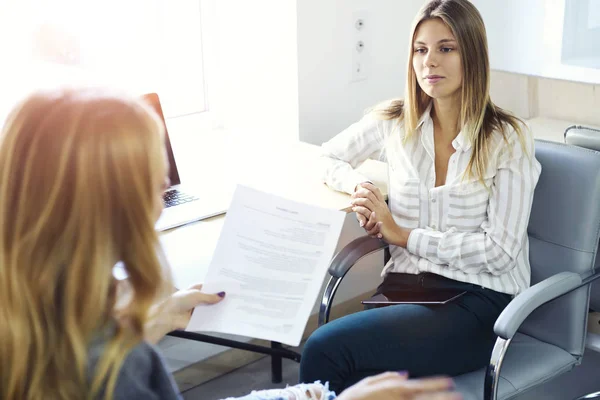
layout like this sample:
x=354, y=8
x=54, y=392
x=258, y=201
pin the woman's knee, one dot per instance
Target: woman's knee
x=319, y=342
x=320, y=351
x=337, y=339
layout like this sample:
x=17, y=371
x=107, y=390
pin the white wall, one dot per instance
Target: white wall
x=523, y=38
x=255, y=85
x=512, y=92
x=328, y=101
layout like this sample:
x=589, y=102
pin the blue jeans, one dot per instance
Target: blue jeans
x=449, y=339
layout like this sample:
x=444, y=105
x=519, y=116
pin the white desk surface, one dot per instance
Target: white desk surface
x=293, y=171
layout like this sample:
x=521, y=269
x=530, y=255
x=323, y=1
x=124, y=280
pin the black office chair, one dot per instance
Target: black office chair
x=542, y=332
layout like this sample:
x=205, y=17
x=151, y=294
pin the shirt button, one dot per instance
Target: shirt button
x=433, y=227
x=433, y=200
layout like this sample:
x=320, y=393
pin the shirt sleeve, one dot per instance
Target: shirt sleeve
x=495, y=248
x=348, y=150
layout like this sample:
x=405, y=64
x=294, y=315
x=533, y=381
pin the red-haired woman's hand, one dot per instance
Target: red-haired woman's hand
x=183, y=302
x=175, y=312
x=395, y=386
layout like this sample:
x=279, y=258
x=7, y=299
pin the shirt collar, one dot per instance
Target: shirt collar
x=461, y=142
x=426, y=116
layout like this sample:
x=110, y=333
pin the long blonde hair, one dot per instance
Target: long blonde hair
x=79, y=171
x=479, y=116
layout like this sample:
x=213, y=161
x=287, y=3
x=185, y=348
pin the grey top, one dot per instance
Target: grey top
x=143, y=374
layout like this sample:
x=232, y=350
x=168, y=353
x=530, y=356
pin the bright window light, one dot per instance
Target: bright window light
x=137, y=45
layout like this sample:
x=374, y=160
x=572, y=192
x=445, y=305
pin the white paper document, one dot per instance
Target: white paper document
x=271, y=259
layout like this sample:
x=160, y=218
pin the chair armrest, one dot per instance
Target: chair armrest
x=582, y=136
x=341, y=264
x=352, y=252
x=525, y=303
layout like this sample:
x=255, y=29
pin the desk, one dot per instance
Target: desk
x=293, y=171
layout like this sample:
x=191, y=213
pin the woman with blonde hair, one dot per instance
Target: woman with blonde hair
x=82, y=173
x=462, y=173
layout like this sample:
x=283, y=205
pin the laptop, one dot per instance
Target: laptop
x=414, y=297
x=182, y=205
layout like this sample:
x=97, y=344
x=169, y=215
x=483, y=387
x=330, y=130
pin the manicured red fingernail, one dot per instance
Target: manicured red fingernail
x=221, y=294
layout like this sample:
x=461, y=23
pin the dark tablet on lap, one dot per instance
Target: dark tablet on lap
x=414, y=297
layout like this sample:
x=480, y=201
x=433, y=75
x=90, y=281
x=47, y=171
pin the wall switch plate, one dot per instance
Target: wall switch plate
x=361, y=46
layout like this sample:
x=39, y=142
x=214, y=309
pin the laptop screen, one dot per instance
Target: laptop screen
x=152, y=100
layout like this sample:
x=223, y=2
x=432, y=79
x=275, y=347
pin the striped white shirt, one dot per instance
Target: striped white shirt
x=461, y=230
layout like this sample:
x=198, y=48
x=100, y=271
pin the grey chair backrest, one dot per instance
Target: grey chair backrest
x=588, y=138
x=563, y=236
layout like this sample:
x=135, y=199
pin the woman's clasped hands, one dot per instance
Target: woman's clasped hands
x=374, y=215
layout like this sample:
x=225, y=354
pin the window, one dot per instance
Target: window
x=138, y=45
x=581, y=33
